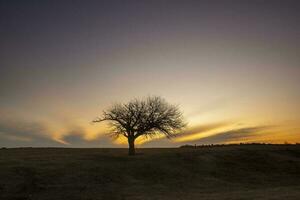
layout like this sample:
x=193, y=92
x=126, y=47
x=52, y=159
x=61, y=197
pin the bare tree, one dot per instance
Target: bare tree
x=143, y=117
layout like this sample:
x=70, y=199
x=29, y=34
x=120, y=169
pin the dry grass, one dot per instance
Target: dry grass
x=228, y=172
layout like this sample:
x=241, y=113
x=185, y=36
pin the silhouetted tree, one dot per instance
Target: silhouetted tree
x=143, y=117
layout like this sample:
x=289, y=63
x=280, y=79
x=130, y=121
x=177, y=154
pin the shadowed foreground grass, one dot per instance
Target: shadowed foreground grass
x=226, y=172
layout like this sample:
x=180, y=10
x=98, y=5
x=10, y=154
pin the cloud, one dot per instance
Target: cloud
x=202, y=128
x=239, y=134
x=23, y=133
x=164, y=142
x=157, y=143
x=234, y=135
x=76, y=138
x=16, y=133
x=201, y=131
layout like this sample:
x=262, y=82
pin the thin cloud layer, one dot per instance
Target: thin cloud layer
x=16, y=133
x=77, y=138
x=252, y=133
x=22, y=133
x=247, y=133
x=203, y=128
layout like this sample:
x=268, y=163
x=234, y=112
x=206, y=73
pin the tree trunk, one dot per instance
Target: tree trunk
x=131, y=150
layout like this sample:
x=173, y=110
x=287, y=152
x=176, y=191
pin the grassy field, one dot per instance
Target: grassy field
x=225, y=172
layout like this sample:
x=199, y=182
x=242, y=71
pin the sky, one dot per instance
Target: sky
x=233, y=67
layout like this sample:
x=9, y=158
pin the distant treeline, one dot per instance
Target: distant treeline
x=235, y=144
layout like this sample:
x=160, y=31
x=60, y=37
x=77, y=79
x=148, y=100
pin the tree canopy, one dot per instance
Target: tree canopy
x=143, y=117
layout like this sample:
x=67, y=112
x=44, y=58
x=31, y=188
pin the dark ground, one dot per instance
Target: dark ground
x=225, y=172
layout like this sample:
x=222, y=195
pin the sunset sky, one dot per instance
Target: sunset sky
x=232, y=66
